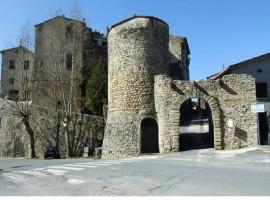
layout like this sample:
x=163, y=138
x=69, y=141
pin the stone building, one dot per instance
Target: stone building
x=65, y=52
x=179, y=60
x=144, y=98
x=16, y=71
x=258, y=68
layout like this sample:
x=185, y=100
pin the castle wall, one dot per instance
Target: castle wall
x=139, y=87
x=230, y=100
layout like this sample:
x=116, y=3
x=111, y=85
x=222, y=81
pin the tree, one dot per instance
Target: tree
x=65, y=56
x=97, y=88
x=21, y=89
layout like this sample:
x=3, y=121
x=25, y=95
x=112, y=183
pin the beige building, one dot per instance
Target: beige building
x=17, y=66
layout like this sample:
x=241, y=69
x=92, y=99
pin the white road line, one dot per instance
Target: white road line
x=32, y=173
x=67, y=168
x=13, y=176
x=80, y=165
x=109, y=162
x=97, y=164
x=56, y=172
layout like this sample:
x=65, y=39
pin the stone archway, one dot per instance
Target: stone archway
x=216, y=117
x=149, y=136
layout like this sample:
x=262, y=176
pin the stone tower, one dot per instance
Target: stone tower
x=137, y=50
x=65, y=51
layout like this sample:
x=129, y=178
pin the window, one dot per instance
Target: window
x=261, y=90
x=69, y=30
x=69, y=62
x=182, y=46
x=13, y=95
x=11, y=80
x=26, y=94
x=25, y=79
x=11, y=64
x=259, y=71
x=26, y=64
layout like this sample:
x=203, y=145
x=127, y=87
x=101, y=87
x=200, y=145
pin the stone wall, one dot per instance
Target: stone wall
x=60, y=41
x=20, y=73
x=229, y=98
x=86, y=130
x=139, y=87
x=137, y=50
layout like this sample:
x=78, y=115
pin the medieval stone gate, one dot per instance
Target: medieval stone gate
x=139, y=88
x=175, y=114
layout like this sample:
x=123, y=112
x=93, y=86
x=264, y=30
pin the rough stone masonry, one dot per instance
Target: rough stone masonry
x=139, y=88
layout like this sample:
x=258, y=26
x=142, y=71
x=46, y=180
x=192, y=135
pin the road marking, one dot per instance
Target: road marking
x=186, y=159
x=98, y=164
x=263, y=161
x=111, y=162
x=127, y=161
x=13, y=176
x=75, y=181
x=80, y=165
x=56, y=172
x=67, y=168
x=32, y=173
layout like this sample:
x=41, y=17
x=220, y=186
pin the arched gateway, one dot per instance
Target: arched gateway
x=139, y=88
x=215, y=111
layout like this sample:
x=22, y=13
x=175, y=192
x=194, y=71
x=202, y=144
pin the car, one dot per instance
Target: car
x=52, y=152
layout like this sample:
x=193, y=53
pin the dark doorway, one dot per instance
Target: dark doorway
x=196, y=125
x=263, y=128
x=149, y=134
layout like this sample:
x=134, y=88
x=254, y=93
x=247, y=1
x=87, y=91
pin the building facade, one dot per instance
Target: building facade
x=258, y=68
x=66, y=51
x=16, y=72
x=179, y=57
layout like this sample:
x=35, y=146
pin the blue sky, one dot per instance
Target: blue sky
x=218, y=32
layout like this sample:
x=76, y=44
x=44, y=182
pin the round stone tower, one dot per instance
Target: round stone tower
x=137, y=50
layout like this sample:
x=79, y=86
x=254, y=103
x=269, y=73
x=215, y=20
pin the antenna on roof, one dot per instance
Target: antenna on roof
x=223, y=66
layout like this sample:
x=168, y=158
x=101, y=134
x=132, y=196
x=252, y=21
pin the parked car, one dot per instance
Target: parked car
x=52, y=152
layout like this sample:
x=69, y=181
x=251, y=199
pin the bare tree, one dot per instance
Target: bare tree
x=65, y=56
x=21, y=89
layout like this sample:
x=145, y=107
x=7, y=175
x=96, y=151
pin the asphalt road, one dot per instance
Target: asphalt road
x=198, y=172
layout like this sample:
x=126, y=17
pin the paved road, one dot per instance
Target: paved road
x=200, y=172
